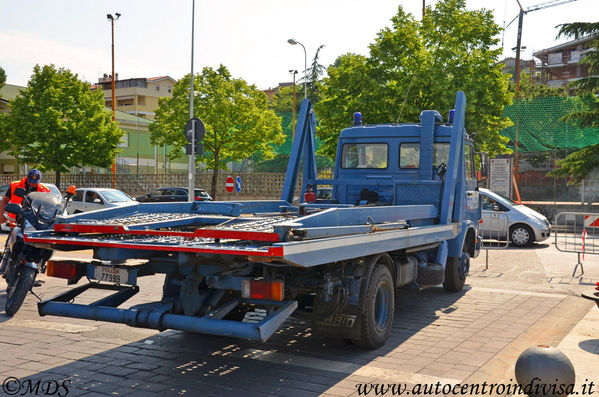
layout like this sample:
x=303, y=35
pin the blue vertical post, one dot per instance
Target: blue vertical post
x=309, y=153
x=427, y=135
x=303, y=130
x=456, y=154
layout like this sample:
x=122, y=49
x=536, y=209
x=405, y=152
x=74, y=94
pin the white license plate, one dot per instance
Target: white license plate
x=111, y=274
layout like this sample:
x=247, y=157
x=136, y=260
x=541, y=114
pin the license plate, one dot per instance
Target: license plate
x=110, y=274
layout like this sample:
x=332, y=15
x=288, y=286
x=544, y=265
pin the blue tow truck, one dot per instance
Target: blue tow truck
x=405, y=210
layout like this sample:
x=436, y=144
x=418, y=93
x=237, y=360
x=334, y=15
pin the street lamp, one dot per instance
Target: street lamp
x=294, y=72
x=112, y=19
x=294, y=42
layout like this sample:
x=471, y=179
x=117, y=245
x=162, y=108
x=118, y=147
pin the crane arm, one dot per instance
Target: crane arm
x=547, y=4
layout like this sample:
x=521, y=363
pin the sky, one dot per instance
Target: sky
x=153, y=37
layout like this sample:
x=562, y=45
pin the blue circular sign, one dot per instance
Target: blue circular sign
x=238, y=184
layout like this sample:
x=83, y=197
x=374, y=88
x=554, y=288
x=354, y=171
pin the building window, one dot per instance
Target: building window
x=124, y=140
x=170, y=89
x=157, y=87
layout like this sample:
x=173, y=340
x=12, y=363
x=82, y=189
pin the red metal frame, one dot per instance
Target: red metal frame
x=207, y=233
x=269, y=252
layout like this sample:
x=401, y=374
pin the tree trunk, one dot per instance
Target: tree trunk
x=214, y=176
x=57, y=182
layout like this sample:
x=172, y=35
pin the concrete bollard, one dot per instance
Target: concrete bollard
x=545, y=371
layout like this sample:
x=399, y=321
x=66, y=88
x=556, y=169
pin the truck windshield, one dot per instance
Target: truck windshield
x=364, y=155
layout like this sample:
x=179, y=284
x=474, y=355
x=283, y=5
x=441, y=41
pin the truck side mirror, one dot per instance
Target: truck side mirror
x=19, y=192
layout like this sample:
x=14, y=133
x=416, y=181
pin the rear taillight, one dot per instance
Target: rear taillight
x=264, y=290
x=597, y=287
x=64, y=269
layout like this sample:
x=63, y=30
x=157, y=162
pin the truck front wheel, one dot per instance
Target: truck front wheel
x=379, y=306
x=456, y=270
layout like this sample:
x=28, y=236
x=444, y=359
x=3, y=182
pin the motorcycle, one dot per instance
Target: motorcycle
x=21, y=262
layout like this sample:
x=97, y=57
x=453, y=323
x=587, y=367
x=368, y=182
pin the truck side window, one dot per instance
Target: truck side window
x=409, y=155
x=468, y=161
x=364, y=155
x=440, y=154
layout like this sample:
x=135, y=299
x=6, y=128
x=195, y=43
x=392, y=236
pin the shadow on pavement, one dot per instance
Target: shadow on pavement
x=590, y=345
x=294, y=362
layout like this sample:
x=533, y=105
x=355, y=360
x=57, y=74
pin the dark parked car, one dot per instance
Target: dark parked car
x=173, y=194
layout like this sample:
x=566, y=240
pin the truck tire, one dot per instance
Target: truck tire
x=379, y=307
x=20, y=291
x=456, y=271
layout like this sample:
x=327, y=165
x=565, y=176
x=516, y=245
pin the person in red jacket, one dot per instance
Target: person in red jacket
x=31, y=183
x=309, y=196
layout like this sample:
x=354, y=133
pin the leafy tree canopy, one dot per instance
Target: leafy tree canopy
x=2, y=78
x=416, y=65
x=580, y=163
x=236, y=115
x=57, y=122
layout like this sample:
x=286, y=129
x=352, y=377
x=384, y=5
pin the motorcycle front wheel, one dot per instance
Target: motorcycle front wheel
x=17, y=294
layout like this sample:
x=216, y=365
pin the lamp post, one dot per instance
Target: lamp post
x=294, y=42
x=192, y=157
x=112, y=19
x=294, y=72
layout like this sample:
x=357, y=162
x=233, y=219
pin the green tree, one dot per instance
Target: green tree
x=2, y=78
x=578, y=164
x=2, y=116
x=416, y=65
x=57, y=123
x=313, y=74
x=236, y=116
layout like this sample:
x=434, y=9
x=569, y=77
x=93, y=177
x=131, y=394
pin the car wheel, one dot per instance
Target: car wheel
x=521, y=235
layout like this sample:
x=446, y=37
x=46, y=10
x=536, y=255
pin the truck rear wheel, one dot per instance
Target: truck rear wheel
x=379, y=307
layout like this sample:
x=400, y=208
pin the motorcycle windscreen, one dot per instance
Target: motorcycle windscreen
x=45, y=204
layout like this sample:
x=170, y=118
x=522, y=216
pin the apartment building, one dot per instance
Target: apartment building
x=137, y=96
x=560, y=64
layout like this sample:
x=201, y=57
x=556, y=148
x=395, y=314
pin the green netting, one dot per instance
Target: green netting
x=540, y=128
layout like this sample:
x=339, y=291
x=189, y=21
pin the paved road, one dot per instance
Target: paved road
x=526, y=297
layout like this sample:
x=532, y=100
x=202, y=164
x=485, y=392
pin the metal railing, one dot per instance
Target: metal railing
x=577, y=232
x=495, y=232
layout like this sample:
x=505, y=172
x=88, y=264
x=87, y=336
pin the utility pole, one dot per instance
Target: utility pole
x=551, y=3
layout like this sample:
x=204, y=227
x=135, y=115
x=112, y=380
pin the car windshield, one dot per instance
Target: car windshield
x=115, y=196
x=201, y=193
x=504, y=200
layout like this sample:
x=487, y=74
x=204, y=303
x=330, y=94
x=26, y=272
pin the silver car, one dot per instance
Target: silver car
x=91, y=199
x=524, y=224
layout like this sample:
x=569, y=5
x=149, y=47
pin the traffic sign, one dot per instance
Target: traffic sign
x=199, y=129
x=238, y=184
x=230, y=184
